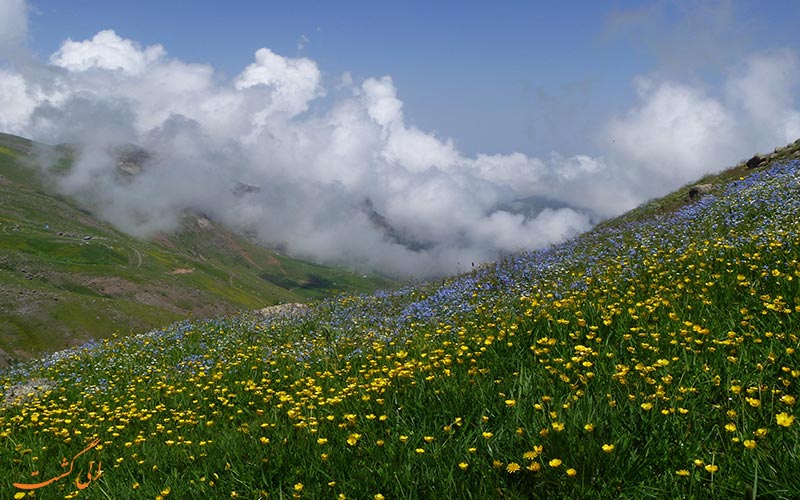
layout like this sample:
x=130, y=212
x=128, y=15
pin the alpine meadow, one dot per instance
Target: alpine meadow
x=654, y=357
x=412, y=250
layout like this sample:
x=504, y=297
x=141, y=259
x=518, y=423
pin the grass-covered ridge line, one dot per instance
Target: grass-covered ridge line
x=67, y=277
x=654, y=358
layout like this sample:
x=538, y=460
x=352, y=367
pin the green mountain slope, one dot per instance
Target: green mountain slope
x=67, y=277
x=656, y=356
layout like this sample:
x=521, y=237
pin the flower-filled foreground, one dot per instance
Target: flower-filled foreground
x=652, y=359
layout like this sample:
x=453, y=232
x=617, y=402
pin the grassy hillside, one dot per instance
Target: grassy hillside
x=655, y=357
x=66, y=277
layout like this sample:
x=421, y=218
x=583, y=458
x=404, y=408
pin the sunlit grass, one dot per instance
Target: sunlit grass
x=656, y=359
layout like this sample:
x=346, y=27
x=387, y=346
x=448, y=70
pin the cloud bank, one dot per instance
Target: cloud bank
x=337, y=175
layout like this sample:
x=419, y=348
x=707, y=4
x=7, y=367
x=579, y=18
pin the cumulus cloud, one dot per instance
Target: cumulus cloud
x=292, y=83
x=380, y=98
x=674, y=133
x=677, y=132
x=106, y=51
x=350, y=181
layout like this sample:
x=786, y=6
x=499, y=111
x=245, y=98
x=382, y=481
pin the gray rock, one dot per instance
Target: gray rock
x=755, y=161
x=695, y=192
x=28, y=390
x=291, y=309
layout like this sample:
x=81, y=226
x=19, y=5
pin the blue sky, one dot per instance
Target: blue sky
x=496, y=77
x=472, y=128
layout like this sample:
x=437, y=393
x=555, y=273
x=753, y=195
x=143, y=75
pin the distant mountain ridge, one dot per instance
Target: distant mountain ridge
x=67, y=277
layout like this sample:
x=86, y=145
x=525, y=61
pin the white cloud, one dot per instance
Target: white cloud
x=106, y=51
x=292, y=83
x=679, y=132
x=418, y=151
x=676, y=133
x=317, y=174
x=513, y=232
x=16, y=105
x=765, y=90
x=380, y=98
x=519, y=172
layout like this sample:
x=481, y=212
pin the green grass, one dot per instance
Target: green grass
x=56, y=255
x=655, y=357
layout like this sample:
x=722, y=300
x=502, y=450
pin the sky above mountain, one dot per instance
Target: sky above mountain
x=472, y=128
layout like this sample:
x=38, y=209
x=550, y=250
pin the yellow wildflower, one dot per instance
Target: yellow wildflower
x=784, y=419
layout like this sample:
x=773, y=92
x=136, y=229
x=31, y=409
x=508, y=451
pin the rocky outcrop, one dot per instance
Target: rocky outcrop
x=28, y=390
x=695, y=192
x=131, y=160
x=789, y=152
x=291, y=310
x=755, y=161
x=242, y=189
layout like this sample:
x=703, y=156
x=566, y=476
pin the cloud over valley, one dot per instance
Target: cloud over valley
x=337, y=174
